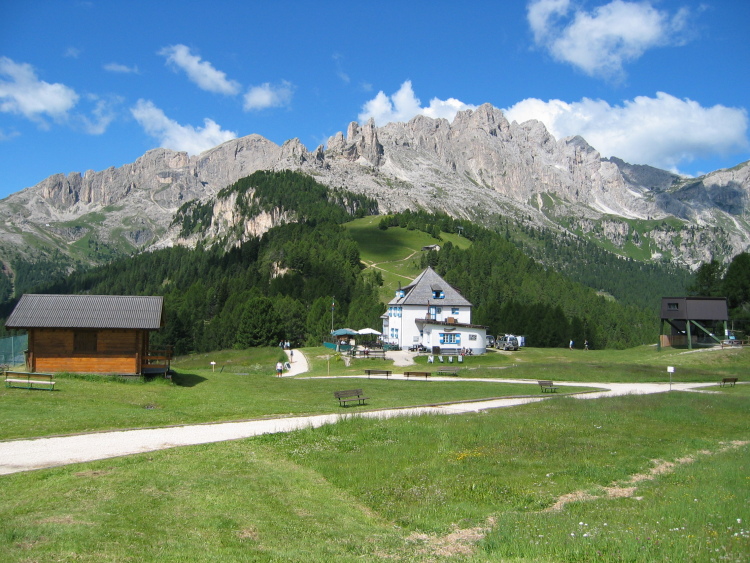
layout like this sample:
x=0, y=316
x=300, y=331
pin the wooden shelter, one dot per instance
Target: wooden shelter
x=90, y=333
x=689, y=316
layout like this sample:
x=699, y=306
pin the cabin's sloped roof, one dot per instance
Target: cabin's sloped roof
x=419, y=292
x=87, y=311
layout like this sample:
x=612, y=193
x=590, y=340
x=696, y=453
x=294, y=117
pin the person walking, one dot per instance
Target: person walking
x=279, y=369
x=570, y=345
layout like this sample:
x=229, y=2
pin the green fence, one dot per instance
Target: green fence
x=12, y=350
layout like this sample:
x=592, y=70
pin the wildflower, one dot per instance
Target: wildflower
x=739, y=520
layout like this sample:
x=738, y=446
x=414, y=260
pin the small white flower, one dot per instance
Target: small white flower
x=739, y=520
x=585, y=535
x=572, y=534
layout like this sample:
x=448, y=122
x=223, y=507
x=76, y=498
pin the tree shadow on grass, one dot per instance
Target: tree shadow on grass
x=187, y=379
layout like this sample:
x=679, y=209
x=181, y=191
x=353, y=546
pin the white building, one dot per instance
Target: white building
x=434, y=314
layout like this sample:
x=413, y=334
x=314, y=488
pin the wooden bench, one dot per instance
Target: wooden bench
x=547, y=386
x=369, y=354
x=728, y=381
x=426, y=374
x=24, y=380
x=385, y=372
x=350, y=395
x=447, y=371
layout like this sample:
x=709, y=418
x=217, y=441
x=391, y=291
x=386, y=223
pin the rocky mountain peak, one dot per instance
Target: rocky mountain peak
x=479, y=166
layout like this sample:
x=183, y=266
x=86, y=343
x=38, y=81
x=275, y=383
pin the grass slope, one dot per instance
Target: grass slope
x=394, y=252
x=635, y=478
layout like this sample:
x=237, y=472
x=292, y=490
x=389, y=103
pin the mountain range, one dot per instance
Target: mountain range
x=480, y=167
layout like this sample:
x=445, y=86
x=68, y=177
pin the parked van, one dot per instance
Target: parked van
x=490, y=341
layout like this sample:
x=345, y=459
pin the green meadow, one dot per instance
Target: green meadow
x=395, y=252
x=662, y=477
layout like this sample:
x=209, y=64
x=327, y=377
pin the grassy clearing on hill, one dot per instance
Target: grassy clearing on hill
x=395, y=252
x=646, y=478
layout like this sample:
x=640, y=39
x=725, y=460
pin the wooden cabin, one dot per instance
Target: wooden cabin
x=88, y=333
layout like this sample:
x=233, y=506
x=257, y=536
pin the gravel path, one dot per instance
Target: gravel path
x=27, y=455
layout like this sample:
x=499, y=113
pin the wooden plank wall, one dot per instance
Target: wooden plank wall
x=118, y=351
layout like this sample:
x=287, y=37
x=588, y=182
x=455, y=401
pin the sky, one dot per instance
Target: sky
x=85, y=85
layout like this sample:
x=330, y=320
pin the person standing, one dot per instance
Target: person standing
x=570, y=345
x=279, y=369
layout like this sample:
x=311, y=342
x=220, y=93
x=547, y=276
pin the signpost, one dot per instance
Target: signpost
x=213, y=366
x=670, y=370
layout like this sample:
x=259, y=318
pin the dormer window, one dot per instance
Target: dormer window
x=400, y=293
x=438, y=294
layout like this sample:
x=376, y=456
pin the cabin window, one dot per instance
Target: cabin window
x=454, y=311
x=673, y=306
x=472, y=337
x=84, y=342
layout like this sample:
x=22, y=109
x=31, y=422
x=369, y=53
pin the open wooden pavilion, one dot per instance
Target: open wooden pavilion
x=691, y=316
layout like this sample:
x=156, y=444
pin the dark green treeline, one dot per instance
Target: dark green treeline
x=512, y=293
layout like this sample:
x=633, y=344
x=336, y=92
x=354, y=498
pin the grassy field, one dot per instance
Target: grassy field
x=635, y=365
x=241, y=386
x=638, y=478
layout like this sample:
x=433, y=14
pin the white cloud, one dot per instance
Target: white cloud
x=267, y=96
x=102, y=114
x=23, y=93
x=404, y=105
x=172, y=135
x=601, y=41
x=200, y=72
x=8, y=136
x=124, y=69
x=338, y=59
x=664, y=131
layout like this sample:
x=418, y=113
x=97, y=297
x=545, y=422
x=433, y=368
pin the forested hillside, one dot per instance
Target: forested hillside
x=282, y=285
x=512, y=293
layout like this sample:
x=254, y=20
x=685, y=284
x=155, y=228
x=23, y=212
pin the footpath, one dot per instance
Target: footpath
x=39, y=453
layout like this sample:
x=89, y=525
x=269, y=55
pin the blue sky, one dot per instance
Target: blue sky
x=85, y=85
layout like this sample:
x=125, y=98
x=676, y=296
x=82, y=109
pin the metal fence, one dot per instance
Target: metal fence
x=12, y=350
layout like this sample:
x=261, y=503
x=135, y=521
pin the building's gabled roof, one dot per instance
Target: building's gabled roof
x=420, y=292
x=87, y=311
